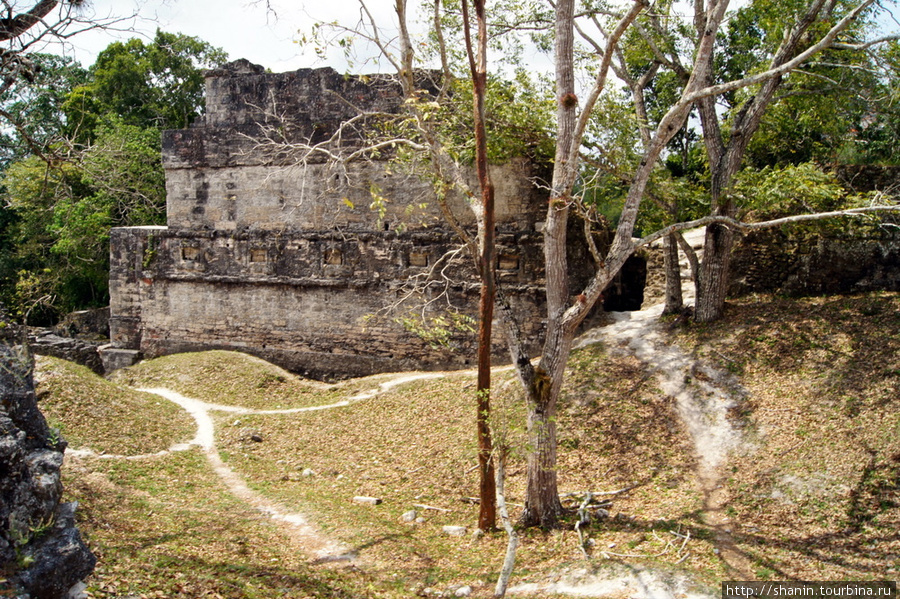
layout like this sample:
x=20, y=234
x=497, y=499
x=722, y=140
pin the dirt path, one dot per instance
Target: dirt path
x=704, y=396
x=321, y=548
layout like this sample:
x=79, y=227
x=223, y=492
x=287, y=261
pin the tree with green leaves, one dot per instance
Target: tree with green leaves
x=88, y=159
x=34, y=107
x=675, y=72
x=158, y=85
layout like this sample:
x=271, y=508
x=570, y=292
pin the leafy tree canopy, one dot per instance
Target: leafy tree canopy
x=148, y=85
x=85, y=157
x=32, y=106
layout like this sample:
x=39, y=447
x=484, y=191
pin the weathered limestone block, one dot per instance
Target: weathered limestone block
x=855, y=260
x=45, y=343
x=41, y=553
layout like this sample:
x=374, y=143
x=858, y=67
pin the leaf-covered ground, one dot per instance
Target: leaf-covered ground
x=93, y=413
x=812, y=495
x=818, y=495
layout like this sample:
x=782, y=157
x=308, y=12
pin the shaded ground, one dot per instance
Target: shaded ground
x=811, y=493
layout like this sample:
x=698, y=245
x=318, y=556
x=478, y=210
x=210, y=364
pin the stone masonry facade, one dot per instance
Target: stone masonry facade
x=297, y=260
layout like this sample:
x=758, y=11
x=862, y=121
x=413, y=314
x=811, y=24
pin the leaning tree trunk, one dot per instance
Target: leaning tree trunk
x=674, y=300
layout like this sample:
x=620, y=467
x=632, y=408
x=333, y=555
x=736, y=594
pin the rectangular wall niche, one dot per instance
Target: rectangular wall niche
x=508, y=262
x=418, y=259
x=334, y=257
x=258, y=255
x=190, y=253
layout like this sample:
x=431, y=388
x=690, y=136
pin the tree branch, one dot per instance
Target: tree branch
x=743, y=227
x=13, y=27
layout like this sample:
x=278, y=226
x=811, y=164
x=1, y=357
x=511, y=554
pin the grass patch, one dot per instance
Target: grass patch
x=815, y=496
x=94, y=413
x=229, y=377
x=819, y=498
x=416, y=445
x=166, y=527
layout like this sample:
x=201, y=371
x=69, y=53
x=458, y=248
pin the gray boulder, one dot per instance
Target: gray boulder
x=41, y=551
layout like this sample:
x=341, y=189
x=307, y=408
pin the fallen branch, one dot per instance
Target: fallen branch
x=422, y=506
x=686, y=539
x=743, y=227
x=582, y=493
x=583, y=520
x=510, y=559
x=606, y=554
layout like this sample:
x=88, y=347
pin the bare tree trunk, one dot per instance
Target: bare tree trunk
x=725, y=158
x=674, y=300
x=11, y=27
x=715, y=269
x=542, y=505
x=487, y=516
x=510, y=559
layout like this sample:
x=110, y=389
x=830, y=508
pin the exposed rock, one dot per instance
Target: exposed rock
x=817, y=261
x=39, y=543
x=367, y=500
x=455, y=531
x=248, y=434
x=464, y=591
x=283, y=262
x=114, y=358
x=91, y=325
x=409, y=516
x=45, y=342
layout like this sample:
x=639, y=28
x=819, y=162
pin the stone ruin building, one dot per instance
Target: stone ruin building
x=295, y=261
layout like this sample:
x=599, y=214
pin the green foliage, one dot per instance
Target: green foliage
x=64, y=212
x=157, y=85
x=124, y=166
x=438, y=331
x=518, y=121
x=611, y=147
x=34, y=107
x=57, y=212
x=38, y=271
x=671, y=200
x=774, y=192
x=822, y=111
x=875, y=136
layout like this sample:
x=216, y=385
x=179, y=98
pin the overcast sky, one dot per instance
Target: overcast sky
x=262, y=31
x=243, y=28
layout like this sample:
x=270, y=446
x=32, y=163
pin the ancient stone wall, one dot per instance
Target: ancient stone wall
x=312, y=302
x=272, y=250
x=817, y=260
x=250, y=163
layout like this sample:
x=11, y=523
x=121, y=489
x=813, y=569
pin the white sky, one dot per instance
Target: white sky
x=243, y=28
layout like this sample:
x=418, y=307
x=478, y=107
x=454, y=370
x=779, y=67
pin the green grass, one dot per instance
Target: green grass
x=93, y=413
x=820, y=496
x=167, y=528
x=816, y=496
x=230, y=377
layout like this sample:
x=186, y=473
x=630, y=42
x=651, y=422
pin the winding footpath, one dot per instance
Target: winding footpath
x=321, y=548
x=703, y=397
